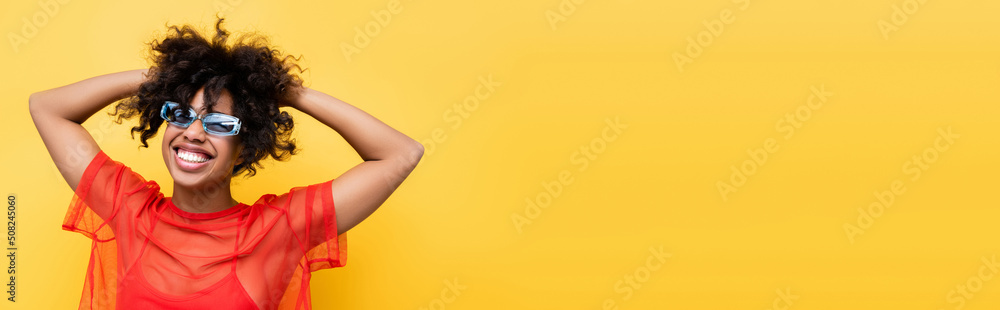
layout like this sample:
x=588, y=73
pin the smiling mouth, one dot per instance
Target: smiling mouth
x=191, y=157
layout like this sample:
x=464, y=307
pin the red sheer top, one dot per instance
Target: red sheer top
x=149, y=254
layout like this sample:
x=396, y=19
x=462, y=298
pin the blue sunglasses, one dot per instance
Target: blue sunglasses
x=214, y=123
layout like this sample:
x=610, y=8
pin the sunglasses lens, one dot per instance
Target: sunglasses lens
x=221, y=125
x=174, y=114
x=181, y=116
x=220, y=128
x=214, y=123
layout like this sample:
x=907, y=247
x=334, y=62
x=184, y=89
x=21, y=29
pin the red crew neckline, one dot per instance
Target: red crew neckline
x=205, y=216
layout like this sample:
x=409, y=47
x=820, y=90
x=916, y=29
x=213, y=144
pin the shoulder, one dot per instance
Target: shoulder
x=130, y=179
x=103, y=171
x=108, y=187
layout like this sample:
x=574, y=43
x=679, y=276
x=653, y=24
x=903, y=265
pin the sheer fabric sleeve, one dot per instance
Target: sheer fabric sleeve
x=105, y=188
x=312, y=219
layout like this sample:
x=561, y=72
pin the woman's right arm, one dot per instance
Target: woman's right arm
x=58, y=113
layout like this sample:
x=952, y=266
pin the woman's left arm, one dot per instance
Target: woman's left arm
x=389, y=155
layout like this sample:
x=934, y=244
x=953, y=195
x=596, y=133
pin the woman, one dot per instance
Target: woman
x=200, y=248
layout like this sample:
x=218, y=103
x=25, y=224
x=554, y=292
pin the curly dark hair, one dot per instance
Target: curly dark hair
x=254, y=73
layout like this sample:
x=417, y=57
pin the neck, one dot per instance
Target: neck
x=212, y=198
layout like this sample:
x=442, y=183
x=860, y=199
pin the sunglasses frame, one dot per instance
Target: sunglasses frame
x=204, y=125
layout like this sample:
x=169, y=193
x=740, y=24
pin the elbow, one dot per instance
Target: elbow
x=34, y=105
x=407, y=154
x=416, y=153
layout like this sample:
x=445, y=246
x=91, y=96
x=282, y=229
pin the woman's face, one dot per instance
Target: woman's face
x=195, y=158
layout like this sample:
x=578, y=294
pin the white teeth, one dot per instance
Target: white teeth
x=191, y=157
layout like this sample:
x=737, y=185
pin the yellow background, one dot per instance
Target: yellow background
x=653, y=186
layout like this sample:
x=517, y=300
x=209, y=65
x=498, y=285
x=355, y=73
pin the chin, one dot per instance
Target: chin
x=195, y=181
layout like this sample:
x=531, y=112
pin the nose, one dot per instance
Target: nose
x=195, y=131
